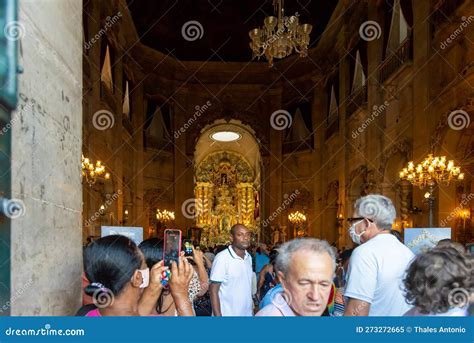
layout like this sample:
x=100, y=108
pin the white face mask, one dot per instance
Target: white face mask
x=145, y=276
x=352, y=232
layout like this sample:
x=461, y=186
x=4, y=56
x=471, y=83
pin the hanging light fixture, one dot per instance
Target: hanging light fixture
x=165, y=215
x=296, y=217
x=91, y=171
x=431, y=172
x=280, y=35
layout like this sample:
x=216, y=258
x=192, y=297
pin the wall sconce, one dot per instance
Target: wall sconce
x=125, y=217
x=464, y=214
x=102, y=210
x=340, y=219
x=397, y=225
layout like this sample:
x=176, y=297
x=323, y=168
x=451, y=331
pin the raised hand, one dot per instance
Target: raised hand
x=181, y=275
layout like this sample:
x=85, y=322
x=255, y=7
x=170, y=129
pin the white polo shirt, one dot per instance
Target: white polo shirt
x=235, y=276
x=376, y=272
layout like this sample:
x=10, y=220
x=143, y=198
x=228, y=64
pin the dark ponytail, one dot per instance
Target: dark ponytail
x=109, y=264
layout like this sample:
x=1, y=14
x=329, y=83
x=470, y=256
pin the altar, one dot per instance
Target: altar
x=227, y=193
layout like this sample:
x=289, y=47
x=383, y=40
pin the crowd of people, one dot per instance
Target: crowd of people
x=301, y=277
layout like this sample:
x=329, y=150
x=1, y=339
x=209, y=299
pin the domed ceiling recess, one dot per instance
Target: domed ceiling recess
x=244, y=144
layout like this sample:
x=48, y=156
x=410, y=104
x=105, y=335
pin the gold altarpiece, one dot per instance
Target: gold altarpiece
x=226, y=193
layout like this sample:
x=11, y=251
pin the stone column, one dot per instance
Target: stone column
x=138, y=122
x=46, y=241
x=421, y=128
x=181, y=193
x=93, y=105
x=274, y=193
x=344, y=94
x=120, y=156
x=318, y=109
x=374, y=132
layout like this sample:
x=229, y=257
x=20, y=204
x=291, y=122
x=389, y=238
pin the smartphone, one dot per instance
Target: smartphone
x=188, y=247
x=171, y=246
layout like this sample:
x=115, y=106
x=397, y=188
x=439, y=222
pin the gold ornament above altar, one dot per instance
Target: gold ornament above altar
x=227, y=189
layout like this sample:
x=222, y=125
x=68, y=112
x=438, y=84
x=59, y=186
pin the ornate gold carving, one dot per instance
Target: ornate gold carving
x=225, y=187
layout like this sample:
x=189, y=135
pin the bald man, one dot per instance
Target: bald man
x=231, y=277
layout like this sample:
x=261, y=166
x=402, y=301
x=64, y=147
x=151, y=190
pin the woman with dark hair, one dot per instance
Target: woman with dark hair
x=439, y=282
x=267, y=276
x=118, y=274
x=163, y=303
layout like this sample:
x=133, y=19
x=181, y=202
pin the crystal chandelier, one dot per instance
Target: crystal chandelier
x=432, y=171
x=92, y=172
x=164, y=216
x=279, y=36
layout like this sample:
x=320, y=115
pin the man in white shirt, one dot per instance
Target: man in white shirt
x=377, y=267
x=231, y=277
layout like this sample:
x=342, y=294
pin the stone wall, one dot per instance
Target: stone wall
x=46, y=252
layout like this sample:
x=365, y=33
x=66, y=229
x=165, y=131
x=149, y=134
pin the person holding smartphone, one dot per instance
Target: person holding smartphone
x=196, y=259
x=162, y=301
x=120, y=278
x=231, y=277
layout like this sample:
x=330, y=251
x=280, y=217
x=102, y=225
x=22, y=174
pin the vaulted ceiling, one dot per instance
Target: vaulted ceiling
x=225, y=25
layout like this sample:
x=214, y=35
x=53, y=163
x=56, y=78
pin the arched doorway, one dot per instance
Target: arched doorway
x=226, y=181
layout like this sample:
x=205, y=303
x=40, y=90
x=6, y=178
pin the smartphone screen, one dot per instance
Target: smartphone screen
x=188, y=247
x=172, y=246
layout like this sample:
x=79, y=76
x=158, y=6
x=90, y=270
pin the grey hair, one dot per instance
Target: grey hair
x=378, y=208
x=288, y=249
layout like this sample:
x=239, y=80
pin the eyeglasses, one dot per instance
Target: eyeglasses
x=355, y=219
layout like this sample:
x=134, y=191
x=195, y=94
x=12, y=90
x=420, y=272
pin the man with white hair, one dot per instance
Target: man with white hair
x=305, y=267
x=377, y=266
